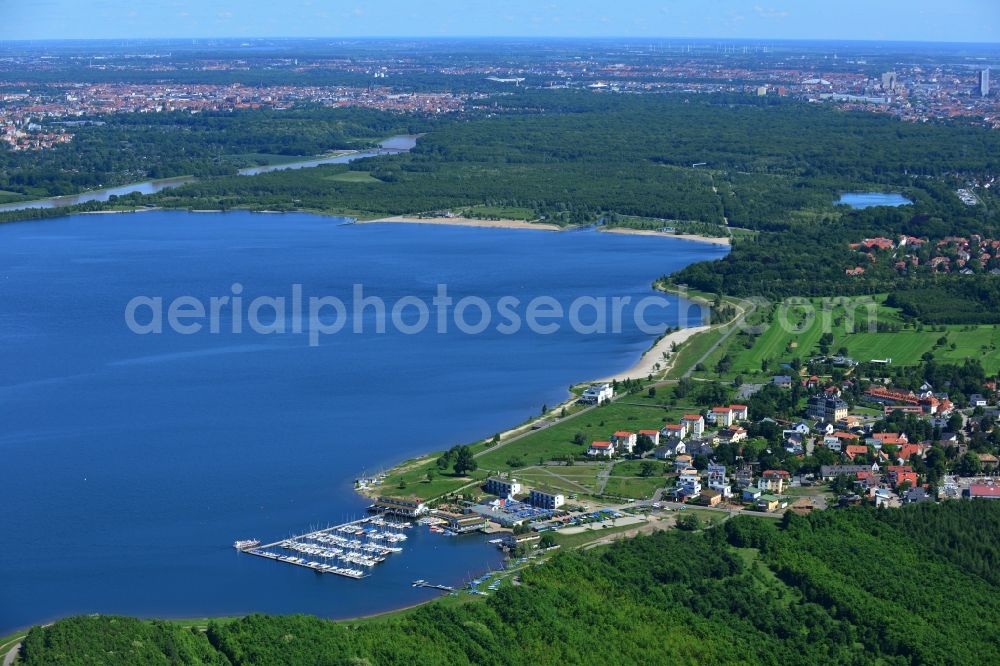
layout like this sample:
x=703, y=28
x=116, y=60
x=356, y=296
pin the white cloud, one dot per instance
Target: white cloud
x=769, y=12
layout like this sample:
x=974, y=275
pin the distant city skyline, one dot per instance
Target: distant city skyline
x=878, y=20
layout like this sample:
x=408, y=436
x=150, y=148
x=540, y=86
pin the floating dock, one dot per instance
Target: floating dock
x=424, y=583
x=349, y=550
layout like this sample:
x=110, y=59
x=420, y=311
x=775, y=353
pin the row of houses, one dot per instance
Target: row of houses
x=669, y=440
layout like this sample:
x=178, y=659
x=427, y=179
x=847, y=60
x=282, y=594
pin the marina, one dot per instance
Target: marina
x=350, y=550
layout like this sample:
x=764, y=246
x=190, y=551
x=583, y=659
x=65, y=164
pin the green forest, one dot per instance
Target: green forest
x=125, y=148
x=853, y=586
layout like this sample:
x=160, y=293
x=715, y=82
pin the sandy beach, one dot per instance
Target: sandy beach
x=654, y=355
x=465, y=222
x=649, y=232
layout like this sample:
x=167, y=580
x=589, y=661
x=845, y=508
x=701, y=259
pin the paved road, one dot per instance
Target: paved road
x=11, y=655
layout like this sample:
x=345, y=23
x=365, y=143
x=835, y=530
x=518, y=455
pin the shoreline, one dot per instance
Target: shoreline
x=652, y=357
x=464, y=222
x=720, y=240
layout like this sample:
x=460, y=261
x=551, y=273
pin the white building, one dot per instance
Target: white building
x=722, y=416
x=603, y=449
x=695, y=424
x=544, y=499
x=673, y=430
x=597, y=394
x=654, y=435
x=718, y=481
x=503, y=487
x=624, y=441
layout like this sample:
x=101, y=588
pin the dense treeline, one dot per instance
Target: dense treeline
x=574, y=157
x=857, y=586
x=125, y=148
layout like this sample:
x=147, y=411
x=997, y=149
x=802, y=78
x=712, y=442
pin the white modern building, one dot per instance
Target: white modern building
x=597, y=394
x=503, y=487
x=545, y=499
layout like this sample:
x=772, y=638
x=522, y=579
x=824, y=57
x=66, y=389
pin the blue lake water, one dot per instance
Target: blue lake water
x=858, y=200
x=132, y=462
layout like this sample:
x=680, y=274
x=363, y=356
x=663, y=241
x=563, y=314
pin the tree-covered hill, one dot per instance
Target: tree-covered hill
x=838, y=587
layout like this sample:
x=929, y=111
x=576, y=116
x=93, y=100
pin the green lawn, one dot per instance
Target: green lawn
x=575, y=480
x=353, y=177
x=638, y=412
x=634, y=487
x=797, y=334
x=691, y=351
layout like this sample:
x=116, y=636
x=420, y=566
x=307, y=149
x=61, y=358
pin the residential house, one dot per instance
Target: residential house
x=880, y=439
x=602, y=449
x=915, y=496
x=782, y=381
x=774, y=481
x=833, y=443
x=718, y=481
x=682, y=462
x=976, y=400
x=885, y=498
x=654, y=436
x=501, y=487
x=624, y=441
x=852, y=451
x=907, y=451
x=688, y=490
x=674, y=430
x=740, y=412
x=744, y=476
x=801, y=428
x=695, y=424
x=688, y=475
x=770, y=503
x=900, y=474
x=663, y=452
x=733, y=435
x=671, y=447
x=988, y=461
x=721, y=416
x=703, y=446
x=751, y=494
x=831, y=472
x=710, y=497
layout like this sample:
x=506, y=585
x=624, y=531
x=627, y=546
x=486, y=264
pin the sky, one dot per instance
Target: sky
x=880, y=20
